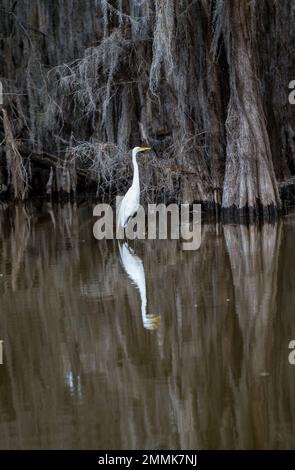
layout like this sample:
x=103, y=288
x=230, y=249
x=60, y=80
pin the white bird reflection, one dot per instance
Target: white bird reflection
x=133, y=266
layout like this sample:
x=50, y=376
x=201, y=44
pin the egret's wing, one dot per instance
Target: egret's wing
x=128, y=207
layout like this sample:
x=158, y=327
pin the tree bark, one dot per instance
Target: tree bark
x=250, y=183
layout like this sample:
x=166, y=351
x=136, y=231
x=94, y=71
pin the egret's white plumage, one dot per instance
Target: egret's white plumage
x=130, y=203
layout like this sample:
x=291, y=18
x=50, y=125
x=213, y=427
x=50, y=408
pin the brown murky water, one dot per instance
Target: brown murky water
x=196, y=358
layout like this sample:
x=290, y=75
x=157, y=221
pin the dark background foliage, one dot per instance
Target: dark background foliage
x=204, y=82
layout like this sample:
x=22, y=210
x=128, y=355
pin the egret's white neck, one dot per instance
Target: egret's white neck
x=135, y=181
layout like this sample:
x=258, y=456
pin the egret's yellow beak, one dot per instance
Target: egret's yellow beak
x=142, y=149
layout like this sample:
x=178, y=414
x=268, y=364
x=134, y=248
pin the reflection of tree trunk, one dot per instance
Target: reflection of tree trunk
x=254, y=260
x=249, y=178
x=19, y=242
x=254, y=255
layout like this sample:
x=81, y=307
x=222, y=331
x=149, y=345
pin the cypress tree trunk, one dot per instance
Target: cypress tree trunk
x=250, y=183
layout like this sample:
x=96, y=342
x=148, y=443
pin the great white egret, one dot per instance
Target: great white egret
x=130, y=202
x=133, y=266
